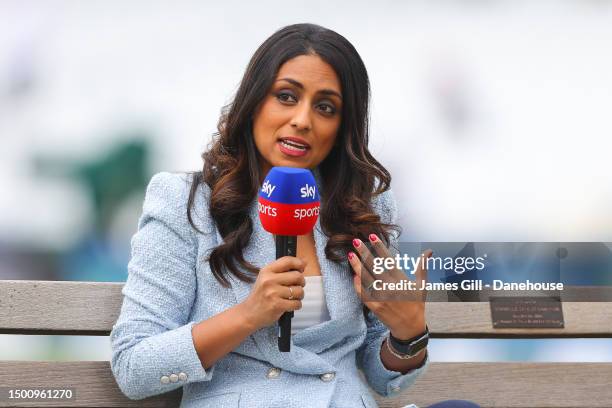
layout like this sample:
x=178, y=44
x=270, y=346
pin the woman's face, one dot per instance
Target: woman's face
x=296, y=124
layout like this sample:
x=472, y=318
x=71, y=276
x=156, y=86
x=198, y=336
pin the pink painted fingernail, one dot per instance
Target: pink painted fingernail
x=351, y=256
x=356, y=243
x=373, y=238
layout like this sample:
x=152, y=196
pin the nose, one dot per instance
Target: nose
x=301, y=117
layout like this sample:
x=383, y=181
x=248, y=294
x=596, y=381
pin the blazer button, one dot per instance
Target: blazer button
x=182, y=376
x=273, y=372
x=327, y=377
x=173, y=378
x=165, y=379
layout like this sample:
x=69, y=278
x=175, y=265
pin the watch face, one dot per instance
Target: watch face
x=419, y=345
x=413, y=347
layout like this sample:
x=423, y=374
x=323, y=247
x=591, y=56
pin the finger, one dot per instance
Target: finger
x=362, y=279
x=357, y=285
x=289, y=278
x=360, y=289
x=359, y=269
x=382, y=252
x=296, y=291
x=287, y=263
x=290, y=305
x=379, y=247
x=366, y=257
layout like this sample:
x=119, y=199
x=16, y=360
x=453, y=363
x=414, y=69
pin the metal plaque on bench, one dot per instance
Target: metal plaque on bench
x=536, y=312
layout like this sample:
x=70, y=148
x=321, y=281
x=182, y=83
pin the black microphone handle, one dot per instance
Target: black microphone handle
x=285, y=246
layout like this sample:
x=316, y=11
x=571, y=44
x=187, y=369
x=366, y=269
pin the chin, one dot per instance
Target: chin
x=297, y=165
x=284, y=162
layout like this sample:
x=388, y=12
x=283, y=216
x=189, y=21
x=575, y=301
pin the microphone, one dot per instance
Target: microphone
x=288, y=206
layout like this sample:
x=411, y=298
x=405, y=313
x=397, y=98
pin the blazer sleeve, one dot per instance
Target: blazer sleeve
x=151, y=339
x=384, y=381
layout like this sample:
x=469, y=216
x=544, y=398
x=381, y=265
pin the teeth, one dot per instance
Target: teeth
x=293, y=145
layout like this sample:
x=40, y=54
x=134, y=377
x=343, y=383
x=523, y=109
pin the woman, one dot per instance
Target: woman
x=204, y=292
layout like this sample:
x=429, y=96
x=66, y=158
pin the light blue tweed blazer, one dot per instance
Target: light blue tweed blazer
x=170, y=287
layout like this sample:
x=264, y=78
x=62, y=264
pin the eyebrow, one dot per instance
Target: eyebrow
x=301, y=86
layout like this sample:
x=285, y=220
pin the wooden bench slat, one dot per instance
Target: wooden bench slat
x=91, y=308
x=514, y=384
x=92, y=381
x=489, y=384
x=59, y=307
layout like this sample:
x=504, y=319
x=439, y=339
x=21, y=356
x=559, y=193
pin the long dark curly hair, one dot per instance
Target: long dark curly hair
x=351, y=176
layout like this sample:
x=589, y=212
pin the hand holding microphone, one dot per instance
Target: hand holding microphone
x=279, y=288
x=288, y=206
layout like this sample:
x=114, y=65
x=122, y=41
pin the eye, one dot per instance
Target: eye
x=286, y=97
x=326, y=108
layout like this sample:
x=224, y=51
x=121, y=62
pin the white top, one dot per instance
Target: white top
x=314, y=309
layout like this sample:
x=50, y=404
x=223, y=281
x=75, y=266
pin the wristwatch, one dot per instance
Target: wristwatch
x=408, y=348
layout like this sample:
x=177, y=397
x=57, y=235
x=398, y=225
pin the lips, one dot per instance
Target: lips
x=293, y=146
x=295, y=142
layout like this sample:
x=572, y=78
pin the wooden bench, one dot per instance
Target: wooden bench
x=89, y=308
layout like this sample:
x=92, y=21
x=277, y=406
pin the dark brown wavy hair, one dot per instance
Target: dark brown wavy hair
x=350, y=175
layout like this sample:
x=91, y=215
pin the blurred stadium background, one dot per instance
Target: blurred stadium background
x=492, y=116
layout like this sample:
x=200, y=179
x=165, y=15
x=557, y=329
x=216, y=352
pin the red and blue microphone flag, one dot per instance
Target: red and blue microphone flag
x=289, y=201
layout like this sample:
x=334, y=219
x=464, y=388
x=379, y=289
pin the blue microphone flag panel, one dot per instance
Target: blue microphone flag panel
x=289, y=185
